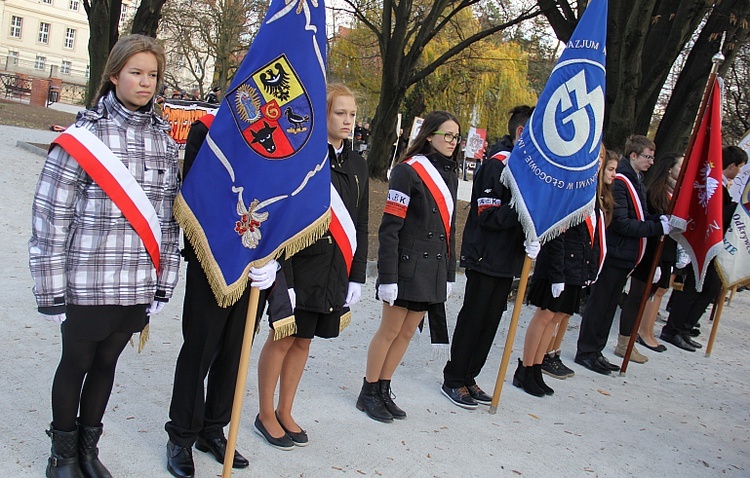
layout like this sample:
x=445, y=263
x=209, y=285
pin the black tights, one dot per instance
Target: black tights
x=85, y=377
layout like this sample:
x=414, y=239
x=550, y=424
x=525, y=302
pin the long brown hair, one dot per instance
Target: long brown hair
x=126, y=47
x=431, y=123
x=657, y=182
x=604, y=191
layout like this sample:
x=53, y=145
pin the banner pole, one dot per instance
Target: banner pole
x=718, y=308
x=239, y=389
x=511, y=334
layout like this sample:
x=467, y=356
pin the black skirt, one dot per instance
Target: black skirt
x=540, y=295
x=97, y=322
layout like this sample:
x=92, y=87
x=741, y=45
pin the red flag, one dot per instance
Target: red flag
x=696, y=218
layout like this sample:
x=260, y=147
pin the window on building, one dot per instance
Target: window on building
x=48, y=2
x=74, y=5
x=65, y=67
x=70, y=38
x=88, y=71
x=13, y=57
x=43, y=32
x=15, y=26
x=123, y=14
x=40, y=62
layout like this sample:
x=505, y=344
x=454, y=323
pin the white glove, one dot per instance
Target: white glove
x=353, y=294
x=264, y=277
x=292, y=297
x=665, y=224
x=155, y=307
x=683, y=259
x=56, y=318
x=448, y=289
x=388, y=292
x=557, y=289
x=657, y=275
x=532, y=248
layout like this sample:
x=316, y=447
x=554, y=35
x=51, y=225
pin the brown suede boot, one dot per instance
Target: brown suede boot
x=622, y=346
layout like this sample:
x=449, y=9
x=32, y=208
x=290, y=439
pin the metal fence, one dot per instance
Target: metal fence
x=69, y=74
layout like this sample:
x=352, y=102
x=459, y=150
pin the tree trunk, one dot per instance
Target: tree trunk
x=98, y=12
x=146, y=20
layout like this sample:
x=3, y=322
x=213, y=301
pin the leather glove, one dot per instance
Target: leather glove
x=353, y=294
x=155, y=307
x=657, y=275
x=532, y=248
x=292, y=297
x=665, y=224
x=264, y=277
x=388, y=292
x=56, y=318
x=557, y=289
x=448, y=289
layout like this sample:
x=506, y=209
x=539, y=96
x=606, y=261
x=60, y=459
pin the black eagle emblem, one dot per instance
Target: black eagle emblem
x=276, y=83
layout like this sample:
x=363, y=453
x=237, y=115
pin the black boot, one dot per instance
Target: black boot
x=63, y=460
x=371, y=402
x=524, y=378
x=387, y=396
x=537, y=371
x=88, y=453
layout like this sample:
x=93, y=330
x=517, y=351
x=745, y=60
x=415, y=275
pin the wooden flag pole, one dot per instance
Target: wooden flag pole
x=511, y=334
x=718, y=307
x=239, y=389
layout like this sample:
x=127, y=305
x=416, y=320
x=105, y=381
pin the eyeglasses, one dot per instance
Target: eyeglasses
x=449, y=137
x=647, y=156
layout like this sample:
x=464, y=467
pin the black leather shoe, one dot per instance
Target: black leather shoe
x=299, y=438
x=658, y=348
x=479, y=396
x=459, y=396
x=180, y=460
x=282, y=442
x=218, y=448
x=592, y=364
x=677, y=341
x=607, y=364
x=696, y=345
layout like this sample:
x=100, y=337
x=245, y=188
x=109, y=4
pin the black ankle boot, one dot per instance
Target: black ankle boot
x=371, y=402
x=63, y=460
x=385, y=393
x=524, y=378
x=88, y=453
x=537, y=371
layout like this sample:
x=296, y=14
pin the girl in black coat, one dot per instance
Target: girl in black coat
x=416, y=258
x=564, y=266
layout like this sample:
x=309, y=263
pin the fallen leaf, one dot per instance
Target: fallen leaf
x=603, y=392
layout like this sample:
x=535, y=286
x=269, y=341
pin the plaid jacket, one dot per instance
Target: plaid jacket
x=82, y=249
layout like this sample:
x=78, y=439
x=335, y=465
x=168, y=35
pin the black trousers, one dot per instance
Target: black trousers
x=630, y=308
x=689, y=304
x=212, y=343
x=600, y=311
x=485, y=300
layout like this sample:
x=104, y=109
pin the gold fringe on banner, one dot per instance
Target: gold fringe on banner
x=283, y=328
x=227, y=294
x=142, y=338
x=345, y=320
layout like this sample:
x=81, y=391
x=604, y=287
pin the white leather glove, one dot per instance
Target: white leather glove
x=683, y=259
x=264, y=277
x=56, y=318
x=532, y=248
x=657, y=275
x=665, y=224
x=557, y=289
x=292, y=297
x=353, y=294
x=388, y=292
x=155, y=307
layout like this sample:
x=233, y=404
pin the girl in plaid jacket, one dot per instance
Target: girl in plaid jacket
x=94, y=274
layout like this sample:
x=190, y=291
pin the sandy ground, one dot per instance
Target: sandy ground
x=680, y=415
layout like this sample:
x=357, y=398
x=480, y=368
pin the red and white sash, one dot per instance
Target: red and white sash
x=638, y=211
x=342, y=229
x=599, y=228
x=439, y=190
x=113, y=177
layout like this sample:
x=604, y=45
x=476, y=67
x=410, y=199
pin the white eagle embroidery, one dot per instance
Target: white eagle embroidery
x=707, y=188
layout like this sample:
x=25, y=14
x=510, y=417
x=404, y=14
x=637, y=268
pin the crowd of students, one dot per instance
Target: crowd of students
x=100, y=278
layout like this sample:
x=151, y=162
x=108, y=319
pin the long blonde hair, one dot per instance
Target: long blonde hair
x=126, y=47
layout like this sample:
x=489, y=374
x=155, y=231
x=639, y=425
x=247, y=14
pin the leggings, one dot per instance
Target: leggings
x=84, y=380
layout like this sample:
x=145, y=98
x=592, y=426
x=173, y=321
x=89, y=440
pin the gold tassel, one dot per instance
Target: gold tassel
x=345, y=320
x=142, y=339
x=285, y=327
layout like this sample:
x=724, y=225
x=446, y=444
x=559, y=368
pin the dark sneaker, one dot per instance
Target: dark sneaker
x=460, y=396
x=551, y=367
x=562, y=366
x=479, y=396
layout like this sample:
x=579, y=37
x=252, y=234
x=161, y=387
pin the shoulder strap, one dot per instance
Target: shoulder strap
x=437, y=187
x=342, y=228
x=636, y=200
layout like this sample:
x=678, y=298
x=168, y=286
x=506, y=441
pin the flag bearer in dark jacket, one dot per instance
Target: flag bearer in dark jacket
x=492, y=252
x=416, y=258
x=626, y=243
x=326, y=277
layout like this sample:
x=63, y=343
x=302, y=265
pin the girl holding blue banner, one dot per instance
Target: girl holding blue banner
x=104, y=251
x=416, y=258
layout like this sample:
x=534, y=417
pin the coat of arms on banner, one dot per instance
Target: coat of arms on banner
x=272, y=110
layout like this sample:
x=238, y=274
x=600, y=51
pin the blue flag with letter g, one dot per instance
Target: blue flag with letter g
x=260, y=184
x=552, y=170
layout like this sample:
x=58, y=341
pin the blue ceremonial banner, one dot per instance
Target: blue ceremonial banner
x=260, y=185
x=553, y=167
